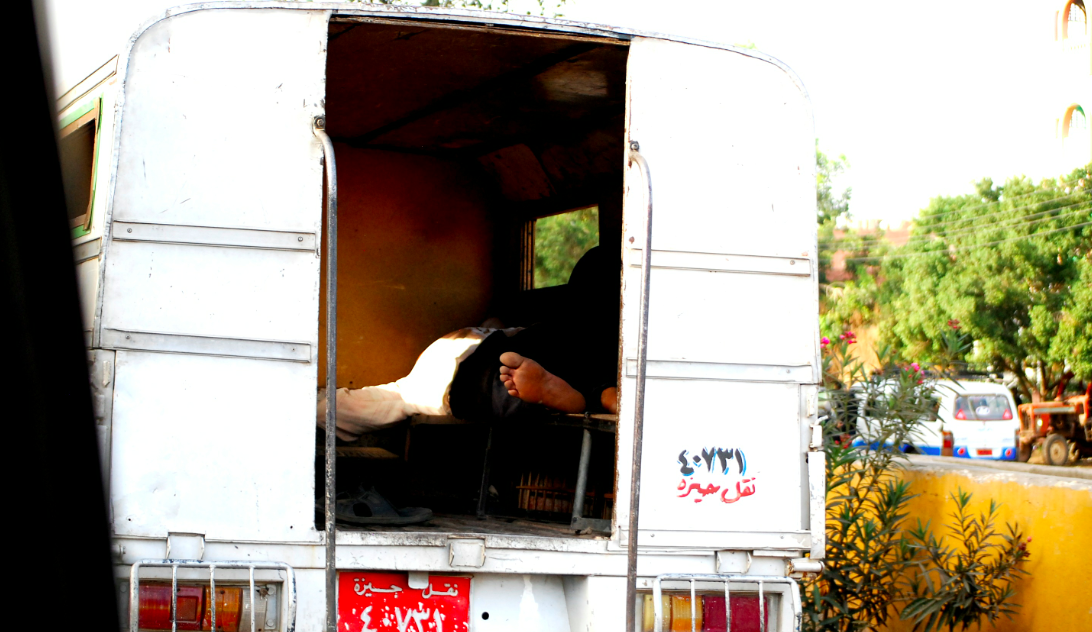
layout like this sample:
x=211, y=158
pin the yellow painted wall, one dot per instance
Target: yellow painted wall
x=1055, y=511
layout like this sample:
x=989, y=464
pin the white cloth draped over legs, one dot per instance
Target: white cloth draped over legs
x=424, y=391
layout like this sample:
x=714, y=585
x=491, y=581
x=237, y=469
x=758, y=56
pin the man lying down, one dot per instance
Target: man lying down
x=568, y=364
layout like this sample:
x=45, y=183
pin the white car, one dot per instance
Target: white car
x=973, y=420
x=976, y=420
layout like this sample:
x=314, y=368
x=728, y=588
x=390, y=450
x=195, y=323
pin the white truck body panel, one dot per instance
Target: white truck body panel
x=197, y=150
x=200, y=279
x=733, y=217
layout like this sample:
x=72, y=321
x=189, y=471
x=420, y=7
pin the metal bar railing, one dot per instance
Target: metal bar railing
x=639, y=408
x=174, y=565
x=331, y=372
x=582, y=475
x=761, y=580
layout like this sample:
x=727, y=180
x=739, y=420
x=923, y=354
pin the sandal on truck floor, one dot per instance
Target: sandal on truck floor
x=369, y=507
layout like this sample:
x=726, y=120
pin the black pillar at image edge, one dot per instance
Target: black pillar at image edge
x=57, y=547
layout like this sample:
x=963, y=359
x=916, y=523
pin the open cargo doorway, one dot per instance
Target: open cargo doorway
x=475, y=166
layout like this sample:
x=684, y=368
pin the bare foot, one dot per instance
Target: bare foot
x=609, y=399
x=526, y=379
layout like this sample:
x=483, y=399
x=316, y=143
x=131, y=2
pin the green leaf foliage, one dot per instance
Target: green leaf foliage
x=877, y=564
x=560, y=241
x=1012, y=265
x=962, y=584
x=830, y=206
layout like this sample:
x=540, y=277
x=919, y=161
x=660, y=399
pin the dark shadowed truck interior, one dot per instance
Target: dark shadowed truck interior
x=453, y=144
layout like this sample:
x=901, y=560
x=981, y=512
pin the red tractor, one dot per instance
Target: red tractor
x=1062, y=426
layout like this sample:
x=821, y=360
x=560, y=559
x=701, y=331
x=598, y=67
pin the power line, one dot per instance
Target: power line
x=954, y=221
x=1027, y=220
x=971, y=208
x=866, y=242
x=951, y=249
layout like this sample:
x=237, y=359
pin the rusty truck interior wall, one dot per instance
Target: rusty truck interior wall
x=451, y=140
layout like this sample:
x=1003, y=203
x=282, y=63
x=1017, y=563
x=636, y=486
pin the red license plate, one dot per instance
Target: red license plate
x=984, y=452
x=384, y=601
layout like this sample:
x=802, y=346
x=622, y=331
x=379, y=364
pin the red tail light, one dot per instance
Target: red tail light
x=959, y=414
x=710, y=615
x=948, y=443
x=1007, y=414
x=193, y=612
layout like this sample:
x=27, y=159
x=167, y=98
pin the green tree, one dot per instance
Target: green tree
x=560, y=241
x=877, y=564
x=1010, y=266
x=830, y=206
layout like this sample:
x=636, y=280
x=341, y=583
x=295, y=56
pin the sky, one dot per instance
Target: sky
x=923, y=99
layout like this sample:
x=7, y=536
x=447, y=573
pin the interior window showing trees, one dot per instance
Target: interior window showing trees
x=560, y=241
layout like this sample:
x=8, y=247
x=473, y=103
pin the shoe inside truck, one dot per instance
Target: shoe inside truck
x=458, y=137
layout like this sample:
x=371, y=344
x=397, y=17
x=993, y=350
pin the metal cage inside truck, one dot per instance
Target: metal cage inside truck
x=283, y=196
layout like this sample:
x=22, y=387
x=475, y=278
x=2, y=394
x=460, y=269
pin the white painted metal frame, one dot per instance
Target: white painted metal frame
x=175, y=565
x=733, y=322
x=758, y=580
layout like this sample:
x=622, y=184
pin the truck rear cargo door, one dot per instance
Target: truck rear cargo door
x=212, y=271
x=733, y=318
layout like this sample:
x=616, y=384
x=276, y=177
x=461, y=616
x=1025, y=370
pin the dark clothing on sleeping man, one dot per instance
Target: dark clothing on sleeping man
x=580, y=347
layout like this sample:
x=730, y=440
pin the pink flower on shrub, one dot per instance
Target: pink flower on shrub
x=916, y=367
x=825, y=341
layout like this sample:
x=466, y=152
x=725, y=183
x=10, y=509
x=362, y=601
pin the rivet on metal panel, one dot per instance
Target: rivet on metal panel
x=791, y=262
x=299, y=238
x=634, y=145
x=128, y=230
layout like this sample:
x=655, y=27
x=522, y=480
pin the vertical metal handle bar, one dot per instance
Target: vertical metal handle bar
x=134, y=597
x=657, y=608
x=174, y=596
x=582, y=475
x=797, y=614
x=727, y=608
x=291, y=606
x=761, y=608
x=253, y=604
x=693, y=607
x=212, y=593
x=639, y=408
x=331, y=372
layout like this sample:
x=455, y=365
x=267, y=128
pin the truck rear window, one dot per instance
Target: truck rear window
x=983, y=408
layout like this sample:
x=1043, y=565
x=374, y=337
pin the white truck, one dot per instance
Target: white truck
x=245, y=173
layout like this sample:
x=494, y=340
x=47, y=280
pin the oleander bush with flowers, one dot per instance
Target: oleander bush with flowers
x=880, y=563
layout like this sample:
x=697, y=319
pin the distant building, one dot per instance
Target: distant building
x=1069, y=82
x=870, y=230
